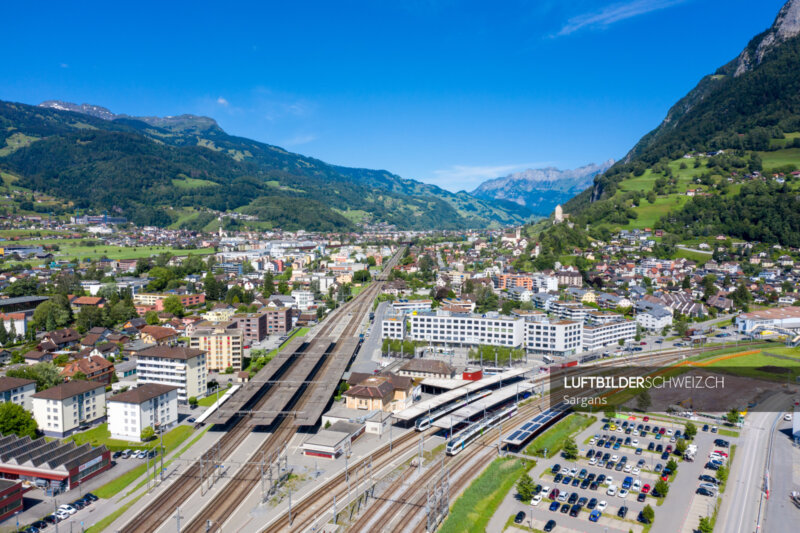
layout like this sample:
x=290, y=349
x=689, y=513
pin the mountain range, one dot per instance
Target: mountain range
x=181, y=171
x=540, y=190
x=725, y=158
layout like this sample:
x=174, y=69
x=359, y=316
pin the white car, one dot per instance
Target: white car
x=615, y=458
x=637, y=485
x=61, y=514
x=592, y=441
x=620, y=430
x=573, y=472
x=669, y=433
x=635, y=433
x=67, y=509
x=627, y=469
x=563, y=496
x=602, y=506
x=592, y=461
x=787, y=417
x=635, y=442
x=536, y=499
x=545, y=489
x=609, y=481
x=612, y=490
x=636, y=471
x=623, y=493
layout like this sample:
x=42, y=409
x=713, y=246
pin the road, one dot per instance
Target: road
x=784, y=478
x=740, y=502
x=695, y=250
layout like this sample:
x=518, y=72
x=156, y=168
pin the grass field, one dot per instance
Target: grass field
x=748, y=365
x=101, y=435
x=472, y=511
x=693, y=256
x=554, y=438
x=209, y=400
x=779, y=158
x=649, y=213
x=193, y=183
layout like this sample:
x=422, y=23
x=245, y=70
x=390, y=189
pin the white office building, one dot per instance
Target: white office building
x=557, y=337
x=608, y=335
x=468, y=329
x=569, y=310
x=150, y=405
x=393, y=327
x=409, y=306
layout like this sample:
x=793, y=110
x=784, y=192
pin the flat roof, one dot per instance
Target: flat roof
x=468, y=411
x=526, y=430
x=432, y=404
x=442, y=383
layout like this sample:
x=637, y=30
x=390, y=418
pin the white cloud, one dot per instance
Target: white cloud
x=615, y=13
x=467, y=177
x=223, y=102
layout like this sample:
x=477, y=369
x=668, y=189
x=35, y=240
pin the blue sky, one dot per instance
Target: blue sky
x=447, y=92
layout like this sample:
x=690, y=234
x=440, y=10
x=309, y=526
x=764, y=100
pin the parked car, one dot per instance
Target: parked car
x=703, y=491
x=519, y=518
x=622, y=512
x=554, y=506
x=549, y=526
x=536, y=500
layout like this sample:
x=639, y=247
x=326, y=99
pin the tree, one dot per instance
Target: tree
x=525, y=488
x=643, y=400
x=648, y=513
x=89, y=317
x=686, y=283
x=570, y=449
x=148, y=433
x=722, y=474
x=45, y=375
x=672, y=465
x=361, y=276
x=662, y=488
x=151, y=317
x=690, y=430
x=268, y=288
x=3, y=332
x=705, y=525
x=79, y=376
x=732, y=417
x=680, y=446
x=283, y=287
x=193, y=401
x=15, y=419
x=173, y=304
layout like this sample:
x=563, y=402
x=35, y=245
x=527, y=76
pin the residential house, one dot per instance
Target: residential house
x=174, y=365
x=17, y=390
x=61, y=410
x=150, y=405
x=158, y=335
x=94, y=367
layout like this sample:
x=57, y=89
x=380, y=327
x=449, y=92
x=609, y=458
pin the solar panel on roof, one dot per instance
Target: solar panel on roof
x=538, y=418
x=515, y=435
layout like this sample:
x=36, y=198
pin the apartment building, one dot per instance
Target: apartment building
x=303, y=299
x=222, y=342
x=17, y=390
x=463, y=328
x=150, y=405
x=252, y=325
x=157, y=299
x=61, y=410
x=553, y=337
x=533, y=283
x=654, y=319
x=569, y=310
x=609, y=334
x=393, y=326
x=182, y=367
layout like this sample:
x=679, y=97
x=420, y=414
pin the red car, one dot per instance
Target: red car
x=554, y=494
x=646, y=489
x=668, y=449
x=720, y=452
x=662, y=431
x=646, y=419
x=642, y=343
x=664, y=477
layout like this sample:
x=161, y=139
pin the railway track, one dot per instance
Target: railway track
x=223, y=505
x=462, y=469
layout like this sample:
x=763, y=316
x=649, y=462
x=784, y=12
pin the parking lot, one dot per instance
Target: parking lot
x=614, y=478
